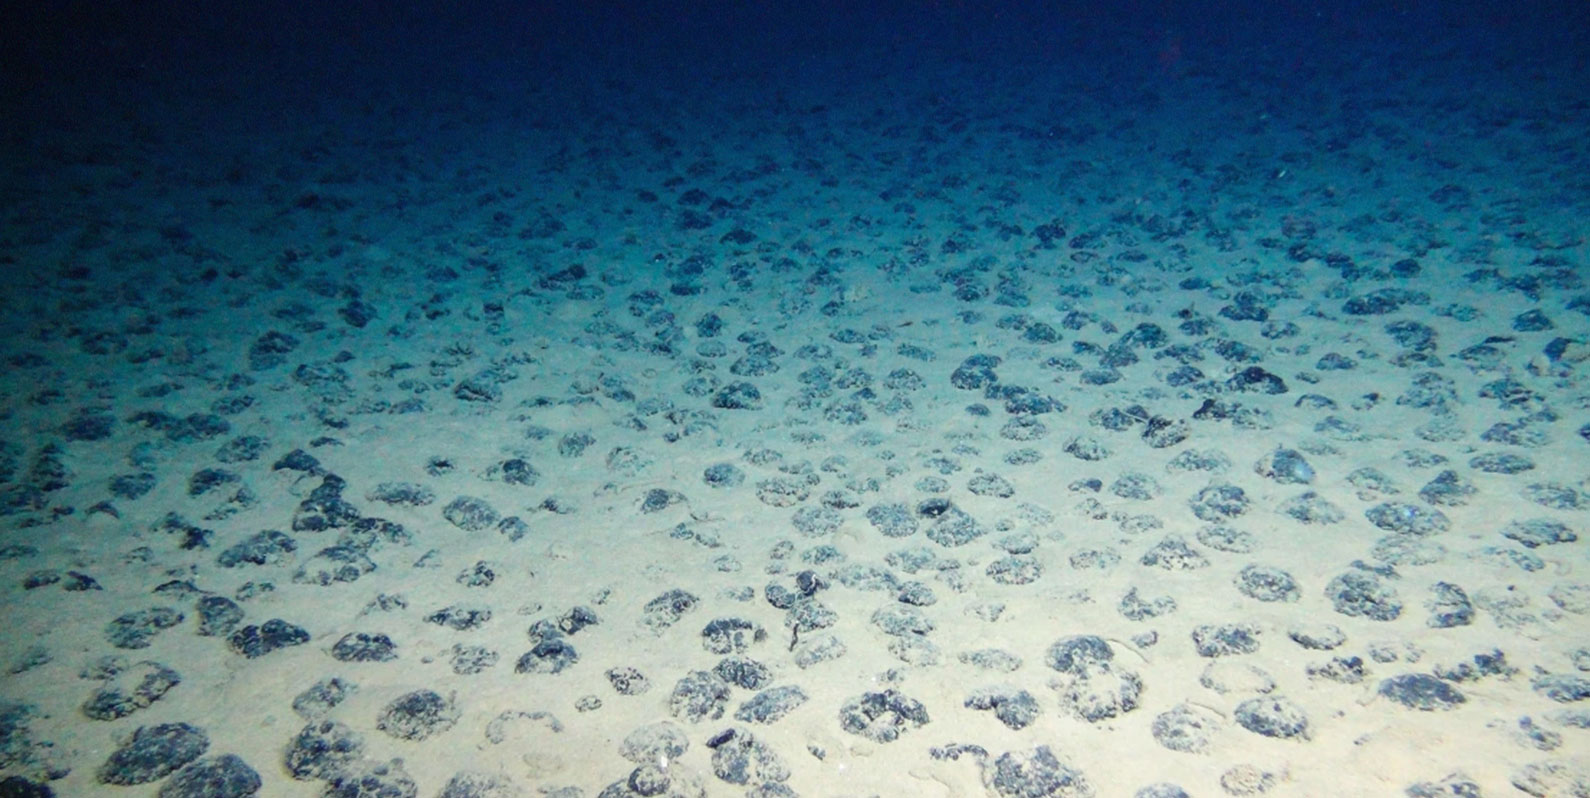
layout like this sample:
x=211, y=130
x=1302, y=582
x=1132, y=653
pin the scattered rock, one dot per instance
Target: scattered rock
x=135, y=629
x=1174, y=554
x=1563, y=688
x=364, y=778
x=218, y=616
x=1449, y=606
x=1013, y=707
x=1362, y=594
x=224, y=776
x=1267, y=584
x=153, y=752
x=322, y=697
x=771, y=705
x=666, y=610
x=1285, y=466
x=743, y=672
x=1187, y=728
x=1225, y=639
x=1220, y=502
x=1318, y=637
x=1536, y=532
x=738, y=757
x=269, y=547
x=1273, y=716
x=1099, y=691
x=882, y=716
x=418, y=715
x=256, y=641
x=699, y=696
x=1420, y=691
x=470, y=514
x=628, y=681
x=363, y=647
x=1037, y=773
x=551, y=655
x=663, y=741
x=322, y=750
x=1408, y=519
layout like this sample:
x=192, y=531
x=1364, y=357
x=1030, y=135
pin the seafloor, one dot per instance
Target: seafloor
x=994, y=430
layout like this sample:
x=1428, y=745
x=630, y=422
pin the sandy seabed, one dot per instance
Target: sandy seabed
x=839, y=446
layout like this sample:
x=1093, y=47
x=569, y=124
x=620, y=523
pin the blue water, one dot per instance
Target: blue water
x=609, y=299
